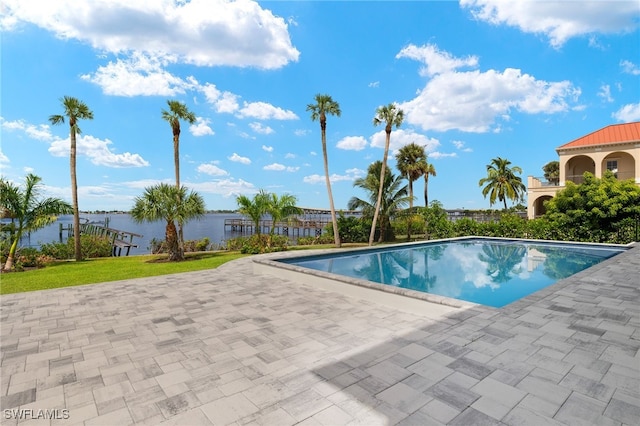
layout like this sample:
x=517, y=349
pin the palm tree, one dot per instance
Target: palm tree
x=254, y=208
x=279, y=208
x=502, y=183
x=177, y=111
x=411, y=161
x=394, y=196
x=74, y=110
x=429, y=170
x=391, y=115
x=30, y=212
x=325, y=105
x=552, y=172
x=171, y=204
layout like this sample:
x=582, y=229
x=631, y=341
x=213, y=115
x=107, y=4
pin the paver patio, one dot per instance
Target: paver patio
x=228, y=346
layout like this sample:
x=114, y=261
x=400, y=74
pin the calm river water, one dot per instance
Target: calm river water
x=211, y=226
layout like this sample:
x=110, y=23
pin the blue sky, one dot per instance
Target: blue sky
x=476, y=79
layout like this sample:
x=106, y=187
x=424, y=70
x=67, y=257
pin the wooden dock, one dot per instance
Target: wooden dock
x=294, y=228
x=119, y=239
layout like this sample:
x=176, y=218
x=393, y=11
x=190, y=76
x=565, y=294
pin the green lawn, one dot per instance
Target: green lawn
x=66, y=274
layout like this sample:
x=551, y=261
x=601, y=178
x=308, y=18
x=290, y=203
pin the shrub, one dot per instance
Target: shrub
x=92, y=246
x=160, y=246
x=352, y=229
x=321, y=239
x=254, y=244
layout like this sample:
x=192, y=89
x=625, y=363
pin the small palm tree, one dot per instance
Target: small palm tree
x=394, y=196
x=392, y=116
x=280, y=208
x=74, y=110
x=502, y=183
x=325, y=105
x=171, y=204
x=31, y=213
x=254, y=208
x=411, y=161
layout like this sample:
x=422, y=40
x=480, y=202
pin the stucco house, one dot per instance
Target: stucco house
x=615, y=147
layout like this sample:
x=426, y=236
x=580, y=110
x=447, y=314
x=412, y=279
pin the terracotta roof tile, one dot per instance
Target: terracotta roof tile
x=614, y=133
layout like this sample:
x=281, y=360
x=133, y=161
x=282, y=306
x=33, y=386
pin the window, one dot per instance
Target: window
x=612, y=165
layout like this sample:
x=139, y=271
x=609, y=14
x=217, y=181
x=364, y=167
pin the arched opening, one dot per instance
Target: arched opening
x=538, y=205
x=622, y=165
x=576, y=166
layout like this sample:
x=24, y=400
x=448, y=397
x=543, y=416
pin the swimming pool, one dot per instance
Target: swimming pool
x=492, y=272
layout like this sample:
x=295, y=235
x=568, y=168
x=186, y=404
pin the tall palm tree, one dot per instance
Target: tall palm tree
x=325, y=105
x=25, y=206
x=171, y=204
x=74, y=110
x=177, y=111
x=411, y=161
x=502, y=183
x=254, y=208
x=280, y=208
x=391, y=115
x=428, y=171
x=394, y=196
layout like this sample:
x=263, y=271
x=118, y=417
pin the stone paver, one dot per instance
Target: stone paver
x=230, y=346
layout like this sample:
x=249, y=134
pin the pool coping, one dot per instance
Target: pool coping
x=401, y=297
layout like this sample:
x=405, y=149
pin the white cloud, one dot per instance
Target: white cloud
x=211, y=169
x=374, y=84
x=289, y=155
x=259, y=128
x=352, y=143
x=238, y=159
x=138, y=75
x=461, y=146
x=199, y=32
x=400, y=138
x=27, y=169
x=3, y=158
x=280, y=168
x=558, y=20
x=350, y=175
x=40, y=132
x=471, y=101
x=225, y=187
x=301, y=132
x=435, y=60
x=267, y=148
x=201, y=128
x=98, y=151
x=265, y=111
x=223, y=102
x=628, y=113
x=605, y=93
x=629, y=67
x=438, y=155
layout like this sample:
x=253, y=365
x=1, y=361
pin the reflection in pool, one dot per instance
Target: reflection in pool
x=486, y=271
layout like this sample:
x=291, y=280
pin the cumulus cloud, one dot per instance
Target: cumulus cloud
x=628, y=113
x=201, y=128
x=560, y=20
x=267, y=148
x=290, y=155
x=199, y=32
x=461, y=146
x=605, y=93
x=301, y=132
x=40, y=132
x=225, y=187
x=265, y=111
x=352, y=143
x=277, y=167
x=260, y=128
x=471, y=101
x=435, y=60
x=374, y=84
x=239, y=159
x=98, y=151
x=349, y=175
x=402, y=137
x=222, y=101
x=3, y=158
x=211, y=169
x=138, y=75
x=629, y=67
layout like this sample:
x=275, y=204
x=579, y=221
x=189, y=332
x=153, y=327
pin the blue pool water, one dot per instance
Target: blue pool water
x=484, y=271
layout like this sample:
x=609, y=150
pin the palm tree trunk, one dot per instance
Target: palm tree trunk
x=410, y=217
x=379, y=201
x=176, y=164
x=74, y=195
x=173, y=246
x=426, y=189
x=12, y=252
x=334, y=220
